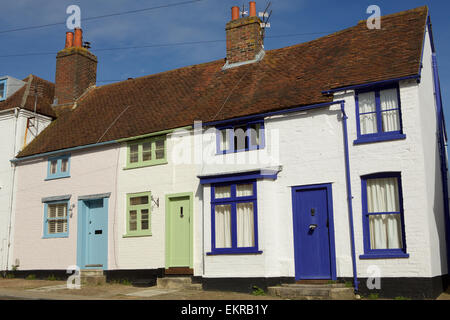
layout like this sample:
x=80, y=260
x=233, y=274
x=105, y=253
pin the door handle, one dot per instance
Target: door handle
x=312, y=227
x=181, y=212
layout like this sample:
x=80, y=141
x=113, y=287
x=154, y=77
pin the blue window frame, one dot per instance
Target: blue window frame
x=383, y=218
x=2, y=89
x=378, y=115
x=240, y=137
x=56, y=219
x=58, y=167
x=234, y=218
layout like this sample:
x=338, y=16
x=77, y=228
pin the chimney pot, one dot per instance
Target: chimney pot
x=235, y=13
x=69, y=40
x=252, y=9
x=78, y=41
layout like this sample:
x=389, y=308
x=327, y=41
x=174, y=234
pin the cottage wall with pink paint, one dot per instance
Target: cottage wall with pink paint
x=90, y=173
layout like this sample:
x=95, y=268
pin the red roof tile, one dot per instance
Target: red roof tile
x=24, y=98
x=285, y=78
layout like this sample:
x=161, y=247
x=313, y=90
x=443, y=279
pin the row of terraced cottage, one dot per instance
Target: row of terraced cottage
x=323, y=160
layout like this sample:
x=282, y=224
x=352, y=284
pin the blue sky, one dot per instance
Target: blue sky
x=204, y=20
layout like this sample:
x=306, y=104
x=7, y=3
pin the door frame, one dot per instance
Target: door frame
x=328, y=188
x=169, y=197
x=82, y=227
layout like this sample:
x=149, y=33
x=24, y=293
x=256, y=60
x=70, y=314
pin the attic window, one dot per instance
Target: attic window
x=241, y=137
x=58, y=167
x=378, y=115
x=2, y=89
x=147, y=152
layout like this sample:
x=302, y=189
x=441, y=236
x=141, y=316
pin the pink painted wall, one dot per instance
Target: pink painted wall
x=90, y=173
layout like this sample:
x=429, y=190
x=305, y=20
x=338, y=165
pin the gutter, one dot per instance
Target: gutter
x=93, y=145
x=371, y=84
x=442, y=143
x=13, y=176
x=40, y=155
x=272, y=113
x=349, y=195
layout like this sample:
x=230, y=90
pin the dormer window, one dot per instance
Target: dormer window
x=2, y=89
x=379, y=115
x=242, y=137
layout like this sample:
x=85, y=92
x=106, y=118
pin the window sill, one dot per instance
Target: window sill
x=233, y=251
x=145, y=165
x=56, y=236
x=137, y=235
x=56, y=178
x=381, y=138
x=384, y=256
x=221, y=153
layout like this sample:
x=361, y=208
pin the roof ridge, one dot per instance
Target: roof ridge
x=401, y=13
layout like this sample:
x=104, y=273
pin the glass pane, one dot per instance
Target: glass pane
x=222, y=192
x=244, y=190
x=144, y=219
x=240, y=138
x=2, y=90
x=147, y=151
x=159, y=153
x=61, y=210
x=382, y=195
x=225, y=139
x=366, y=102
x=134, y=201
x=51, y=211
x=255, y=134
x=245, y=225
x=389, y=99
x=368, y=123
x=133, y=220
x=51, y=227
x=391, y=120
x=385, y=231
x=53, y=166
x=64, y=165
x=223, y=226
x=134, y=153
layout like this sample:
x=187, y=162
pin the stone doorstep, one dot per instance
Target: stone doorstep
x=177, y=283
x=312, y=292
x=92, y=276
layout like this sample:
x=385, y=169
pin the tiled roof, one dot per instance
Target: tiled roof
x=24, y=98
x=285, y=78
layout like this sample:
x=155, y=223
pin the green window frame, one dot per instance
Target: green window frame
x=139, y=207
x=147, y=152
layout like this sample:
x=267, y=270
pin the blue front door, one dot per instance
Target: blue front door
x=312, y=245
x=93, y=234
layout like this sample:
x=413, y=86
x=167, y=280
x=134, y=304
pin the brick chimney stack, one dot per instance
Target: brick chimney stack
x=76, y=69
x=244, y=38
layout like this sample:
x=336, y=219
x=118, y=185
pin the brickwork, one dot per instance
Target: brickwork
x=76, y=70
x=244, y=39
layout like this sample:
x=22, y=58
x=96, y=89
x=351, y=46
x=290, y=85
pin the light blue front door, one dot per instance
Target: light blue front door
x=93, y=234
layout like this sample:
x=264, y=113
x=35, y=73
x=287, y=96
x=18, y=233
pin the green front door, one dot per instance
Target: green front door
x=178, y=231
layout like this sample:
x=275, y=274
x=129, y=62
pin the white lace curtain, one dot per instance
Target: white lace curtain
x=368, y=121
x=390, y=119
x=389, y=101
x=244, y=218
x=385, y=229
x=223, y=226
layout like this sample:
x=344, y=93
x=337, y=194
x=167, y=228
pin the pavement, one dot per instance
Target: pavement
x=22, y=289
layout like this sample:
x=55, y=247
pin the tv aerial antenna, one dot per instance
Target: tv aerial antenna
x=265, y=17
x=243, y=13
